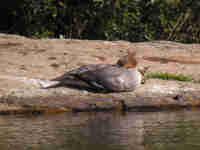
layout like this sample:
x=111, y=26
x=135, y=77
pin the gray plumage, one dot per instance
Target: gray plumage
x=123, y=76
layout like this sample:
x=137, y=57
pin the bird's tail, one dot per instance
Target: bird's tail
x=73, y=83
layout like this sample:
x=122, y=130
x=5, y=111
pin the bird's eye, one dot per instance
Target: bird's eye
x=120, y=63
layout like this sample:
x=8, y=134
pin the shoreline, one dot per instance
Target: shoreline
x=26, y=64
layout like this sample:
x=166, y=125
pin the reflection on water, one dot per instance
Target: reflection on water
x=102, y=131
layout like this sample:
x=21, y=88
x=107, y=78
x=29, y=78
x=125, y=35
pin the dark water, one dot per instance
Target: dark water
x=178, y=130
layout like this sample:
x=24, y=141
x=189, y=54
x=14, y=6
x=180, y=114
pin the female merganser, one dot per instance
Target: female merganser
x=120, y=77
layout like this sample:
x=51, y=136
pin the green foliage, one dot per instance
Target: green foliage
x=132, y=20
x=166, y=76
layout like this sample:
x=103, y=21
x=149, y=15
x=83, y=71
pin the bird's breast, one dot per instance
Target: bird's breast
x=126, y=81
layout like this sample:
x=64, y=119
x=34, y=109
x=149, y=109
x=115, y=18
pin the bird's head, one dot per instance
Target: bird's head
x=128, y=61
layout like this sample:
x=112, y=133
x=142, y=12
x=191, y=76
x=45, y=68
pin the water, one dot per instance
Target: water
x=102, y=131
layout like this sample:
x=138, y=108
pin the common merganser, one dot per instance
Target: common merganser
x=120, y=77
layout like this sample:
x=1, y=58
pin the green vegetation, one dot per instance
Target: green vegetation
x=131, y=20
x=166, y=76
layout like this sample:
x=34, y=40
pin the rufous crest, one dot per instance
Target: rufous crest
x=128, y=61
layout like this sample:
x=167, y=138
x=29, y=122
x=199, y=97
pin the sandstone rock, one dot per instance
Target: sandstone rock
x=26, y=64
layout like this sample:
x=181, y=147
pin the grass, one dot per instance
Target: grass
x=166, y=76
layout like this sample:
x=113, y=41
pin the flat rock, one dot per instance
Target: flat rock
x=26, y=64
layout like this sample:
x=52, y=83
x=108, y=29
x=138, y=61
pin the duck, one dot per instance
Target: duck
x=123, y=76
